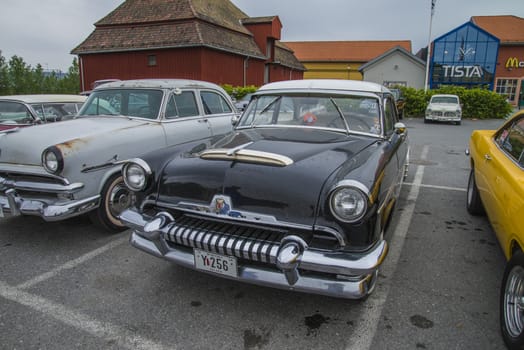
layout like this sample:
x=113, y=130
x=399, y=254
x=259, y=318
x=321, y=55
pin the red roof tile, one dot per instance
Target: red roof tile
x=335, y=51
x=154, y=24
x=509, y=29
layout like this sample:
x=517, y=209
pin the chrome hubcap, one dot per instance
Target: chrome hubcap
x=514, y=301
x=120, y=199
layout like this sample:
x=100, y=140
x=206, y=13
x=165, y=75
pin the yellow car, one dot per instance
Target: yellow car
x=496, y=188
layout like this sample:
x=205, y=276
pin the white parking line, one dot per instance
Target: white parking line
x=446, y=188
x=103, y=330
x=364, y=333
x=72, y=263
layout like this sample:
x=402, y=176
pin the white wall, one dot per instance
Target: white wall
x=396, y=67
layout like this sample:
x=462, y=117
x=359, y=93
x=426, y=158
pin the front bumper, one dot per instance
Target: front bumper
x=50, y=201
x=290, y=264
x=444, y=116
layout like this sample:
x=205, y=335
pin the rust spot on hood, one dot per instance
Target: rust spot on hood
x=72, y=145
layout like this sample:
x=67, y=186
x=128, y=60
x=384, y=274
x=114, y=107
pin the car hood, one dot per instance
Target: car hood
x=25, y=145
x=287, y=193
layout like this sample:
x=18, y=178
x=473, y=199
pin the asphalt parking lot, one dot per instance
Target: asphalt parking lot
x=68, y=285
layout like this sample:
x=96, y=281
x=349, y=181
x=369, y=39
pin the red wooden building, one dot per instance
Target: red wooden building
x=194, y=39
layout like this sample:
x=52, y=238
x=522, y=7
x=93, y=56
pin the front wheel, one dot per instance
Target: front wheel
x=115, y=198
x=512, y=303
x=473, y=201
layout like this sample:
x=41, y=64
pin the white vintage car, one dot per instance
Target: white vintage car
x=444, y=108
x=60, y=170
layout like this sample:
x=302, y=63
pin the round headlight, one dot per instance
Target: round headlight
x=52, y=160
x=348, y=204
x=136, y=174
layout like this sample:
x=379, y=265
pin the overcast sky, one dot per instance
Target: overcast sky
x=45, y=31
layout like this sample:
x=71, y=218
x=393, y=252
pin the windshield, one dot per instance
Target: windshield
x=51, y=112
x=341, y=113
x=444, y=99
x=140, y=103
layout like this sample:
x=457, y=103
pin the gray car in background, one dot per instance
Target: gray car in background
x=26, y=110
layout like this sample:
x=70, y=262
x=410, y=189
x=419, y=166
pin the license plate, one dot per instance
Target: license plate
x=221, y=264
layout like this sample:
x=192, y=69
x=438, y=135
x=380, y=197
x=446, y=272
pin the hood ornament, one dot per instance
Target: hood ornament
x=221, y=205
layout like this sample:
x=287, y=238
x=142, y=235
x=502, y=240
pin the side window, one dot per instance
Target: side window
x=14, y=112
x=144, y=104
x=389, y=115
x=182, y=105
x=171, y=112
x=214, y=103
x=511, y=140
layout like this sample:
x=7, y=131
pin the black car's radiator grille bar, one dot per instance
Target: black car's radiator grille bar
x=241, y=241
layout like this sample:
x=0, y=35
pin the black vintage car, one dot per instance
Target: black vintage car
x=297, y=197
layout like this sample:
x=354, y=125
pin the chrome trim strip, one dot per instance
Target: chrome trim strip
x=40, y=186
x=246, y=155
x=343, y=131
x=352, y=183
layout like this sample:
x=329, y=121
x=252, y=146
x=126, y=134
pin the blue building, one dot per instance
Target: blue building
x=466, y=56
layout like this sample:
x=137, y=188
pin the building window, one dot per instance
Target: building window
x=151, y=60
x=392, y=84
x=508, y=88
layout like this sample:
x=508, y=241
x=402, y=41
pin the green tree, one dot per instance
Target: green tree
x=18, y=78
x=3, y=76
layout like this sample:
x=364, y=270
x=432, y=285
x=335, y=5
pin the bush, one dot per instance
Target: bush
x=239, y=91
x=476, y=103
x=415, y=102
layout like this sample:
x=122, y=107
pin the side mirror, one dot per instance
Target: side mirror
x=400, y=128
x=235, y=119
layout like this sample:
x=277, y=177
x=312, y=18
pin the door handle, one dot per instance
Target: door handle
x=487, y=157
x=202, y=120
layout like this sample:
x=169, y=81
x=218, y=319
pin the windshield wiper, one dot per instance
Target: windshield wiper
x=348, y=131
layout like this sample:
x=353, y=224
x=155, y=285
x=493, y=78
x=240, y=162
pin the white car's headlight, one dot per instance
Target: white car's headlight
x=348, y=204
x=52, y=160
x=136, y=173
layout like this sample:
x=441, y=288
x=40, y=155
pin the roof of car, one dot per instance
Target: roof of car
x=158, y=83
x=444, y=95
x=326, y=84
x=43, y=98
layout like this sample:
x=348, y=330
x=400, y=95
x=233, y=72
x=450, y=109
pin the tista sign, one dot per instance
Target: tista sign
x=463, y=71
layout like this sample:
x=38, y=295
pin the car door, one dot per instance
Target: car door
x=183, y=119
x=504, y=175
x=218, y=111
x=394, y=149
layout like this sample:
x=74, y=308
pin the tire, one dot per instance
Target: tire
x=426, y=121
x=473, y=201
x=511, y=304
x=115, y=198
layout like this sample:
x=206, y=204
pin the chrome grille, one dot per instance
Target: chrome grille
x=244, y=242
